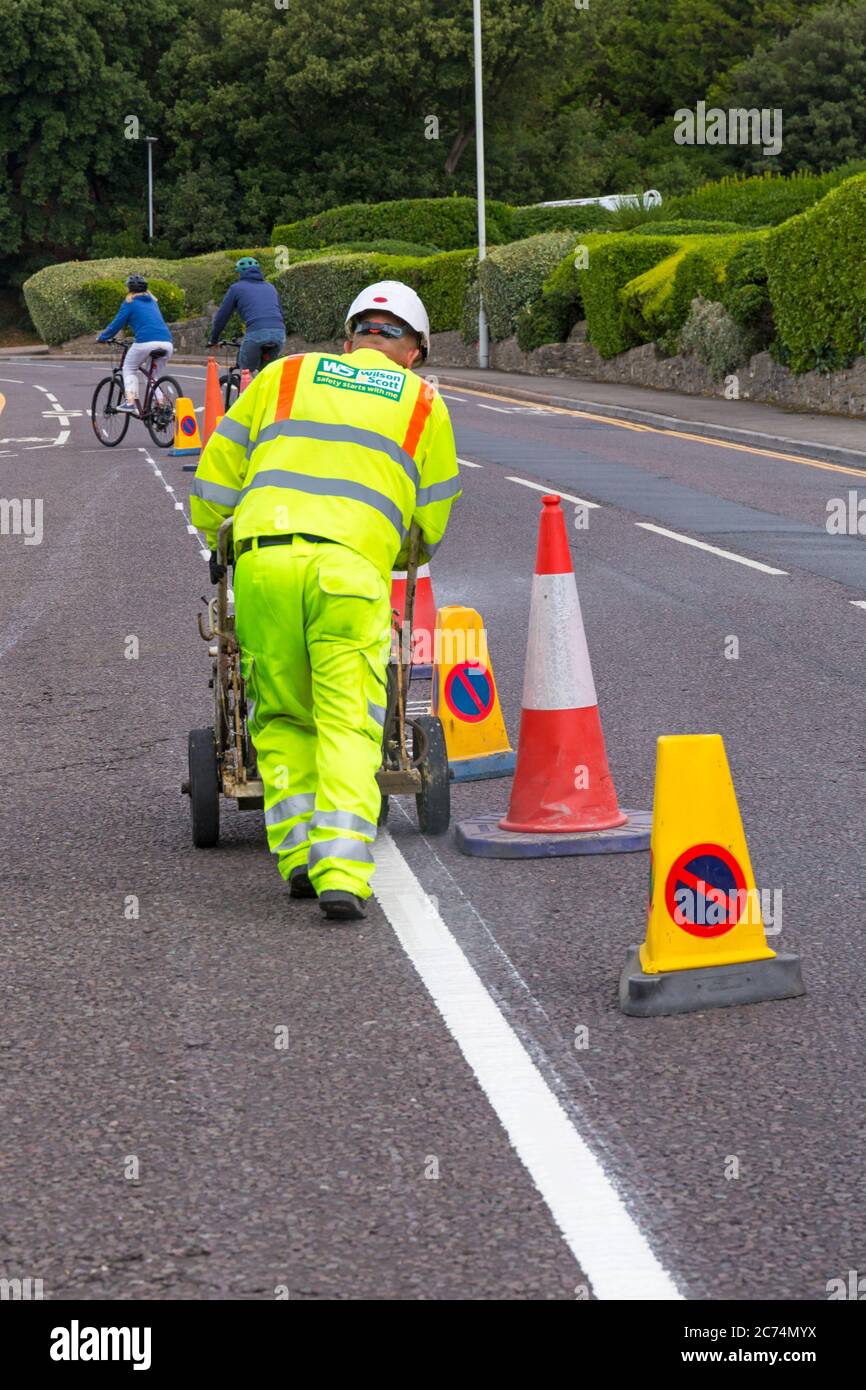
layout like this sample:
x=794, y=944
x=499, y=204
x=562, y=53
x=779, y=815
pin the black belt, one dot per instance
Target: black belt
x=243, y=546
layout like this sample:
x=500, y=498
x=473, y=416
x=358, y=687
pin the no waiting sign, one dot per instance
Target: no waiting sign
x=469, y=692
x=705, y=891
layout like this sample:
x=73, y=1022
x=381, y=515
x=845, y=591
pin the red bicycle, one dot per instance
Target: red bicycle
x=157, y=410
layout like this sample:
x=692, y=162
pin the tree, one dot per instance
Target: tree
x=816, y=75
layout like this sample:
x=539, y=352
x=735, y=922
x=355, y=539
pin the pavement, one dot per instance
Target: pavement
x=209, y=1095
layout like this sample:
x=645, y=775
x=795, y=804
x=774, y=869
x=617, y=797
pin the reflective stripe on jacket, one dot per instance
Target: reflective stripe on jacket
x=350, y=447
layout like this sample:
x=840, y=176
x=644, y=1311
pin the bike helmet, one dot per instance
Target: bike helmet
x=136, y=283
x=246, y=263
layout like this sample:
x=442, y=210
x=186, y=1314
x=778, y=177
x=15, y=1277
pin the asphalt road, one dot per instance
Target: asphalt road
x=161, y=1141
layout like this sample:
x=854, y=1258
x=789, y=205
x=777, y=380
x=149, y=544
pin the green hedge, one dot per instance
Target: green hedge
x=816, y=273
x=447, y=223
x=747, y=294
x=529, y=221
x=656, y=303
x=686, y=227
x=761, y=201
x=551, y=318
x=511, y=278
x=103, y=298
x=613, y=262
x=316, y=293
x=53, y=294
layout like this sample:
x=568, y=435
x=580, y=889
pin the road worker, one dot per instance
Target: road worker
x=324, y=462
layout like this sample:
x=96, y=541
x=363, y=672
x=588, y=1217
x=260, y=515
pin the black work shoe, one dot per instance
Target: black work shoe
x=339, y=906
x=300, y=885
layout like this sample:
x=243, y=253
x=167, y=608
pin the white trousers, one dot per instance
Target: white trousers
x=135, y=359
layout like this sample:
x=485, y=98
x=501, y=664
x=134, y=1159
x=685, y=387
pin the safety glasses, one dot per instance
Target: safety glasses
x=384, y=330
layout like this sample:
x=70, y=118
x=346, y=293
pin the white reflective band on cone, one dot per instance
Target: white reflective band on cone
x=558, y=674
x=423, y=572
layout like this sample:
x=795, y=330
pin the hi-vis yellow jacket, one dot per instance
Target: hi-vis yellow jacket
x=348, y=447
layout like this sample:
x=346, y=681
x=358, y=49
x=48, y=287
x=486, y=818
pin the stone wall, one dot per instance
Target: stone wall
x=761, y=379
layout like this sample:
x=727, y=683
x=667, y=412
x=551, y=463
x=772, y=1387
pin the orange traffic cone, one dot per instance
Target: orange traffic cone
x=246, y=378
x=424, y=620
x=213, y=401
x=563, y=799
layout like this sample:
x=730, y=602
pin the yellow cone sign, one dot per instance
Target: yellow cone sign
x=465, y=697
x=705, y=941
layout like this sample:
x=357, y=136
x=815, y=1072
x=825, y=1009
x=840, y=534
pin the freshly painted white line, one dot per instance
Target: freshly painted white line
x=11, y=381
x=467, y=463
x=190, y=529
x=551, y=491
x=43, y=389
x=458, y=399
x=858, y=602
x=57, y=443
x=500, y=410
x=586, y=1207
x=713, y=549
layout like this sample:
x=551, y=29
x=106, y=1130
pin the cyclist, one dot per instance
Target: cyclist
x=258, y=304
x=141, y=312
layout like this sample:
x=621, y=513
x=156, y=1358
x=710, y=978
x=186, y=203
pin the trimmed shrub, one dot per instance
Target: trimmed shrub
x=816, y=274
x=551, y=318
x=316, y=293
x=512, y=277
x=53, y=294
x=448, y=223
x=656, y=303
x=686, y=227
x=761, y=201
x=530, y=221
x=103, y=298
x=613, y=261
x=747, y=294
x=711, y=335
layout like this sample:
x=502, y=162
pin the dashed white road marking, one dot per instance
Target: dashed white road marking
x=467, y=463
x=11, y=381
x=500, y=410
x=553, y=491
x=858, y=602
x=172, y=496
x=713, y=549
x=598, y=1230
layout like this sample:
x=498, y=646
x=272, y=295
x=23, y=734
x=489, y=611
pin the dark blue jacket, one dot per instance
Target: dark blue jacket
x=144, y=318
x=257, y=303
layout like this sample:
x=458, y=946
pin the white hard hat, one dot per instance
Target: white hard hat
x=398, y=299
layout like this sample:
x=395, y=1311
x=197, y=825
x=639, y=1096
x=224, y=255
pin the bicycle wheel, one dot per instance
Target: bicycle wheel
x=230, y=385
x=160, y=418
x=109, y=426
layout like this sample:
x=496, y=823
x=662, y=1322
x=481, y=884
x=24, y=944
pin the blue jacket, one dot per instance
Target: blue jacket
x=257, y=303
x=144, y=318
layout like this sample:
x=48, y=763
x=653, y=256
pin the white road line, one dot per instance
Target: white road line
x=467, y=463
x=458, y=399
x=603, y=1238
x=551, y=491
x=178, y=506
x=500, y=410
x=713, y=549
x=11, y=381
x=858, y=602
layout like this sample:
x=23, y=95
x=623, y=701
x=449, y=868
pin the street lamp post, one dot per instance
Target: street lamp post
x=483, y=339
x=150, y=141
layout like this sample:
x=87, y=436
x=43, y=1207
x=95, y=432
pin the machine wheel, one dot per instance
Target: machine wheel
x=204, y=789
x=434, y=799
x=383, y=811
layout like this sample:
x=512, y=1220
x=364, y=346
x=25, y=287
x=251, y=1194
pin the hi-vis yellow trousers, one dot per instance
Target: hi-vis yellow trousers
x=313, y=621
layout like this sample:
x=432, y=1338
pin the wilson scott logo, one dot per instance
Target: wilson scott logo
x=374, y=381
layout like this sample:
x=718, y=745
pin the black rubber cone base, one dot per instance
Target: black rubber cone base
x=685, y=991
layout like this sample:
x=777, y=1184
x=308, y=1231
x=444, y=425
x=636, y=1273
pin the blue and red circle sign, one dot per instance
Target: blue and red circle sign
x=469, y=692
x=187, y=424
x=705, y=891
